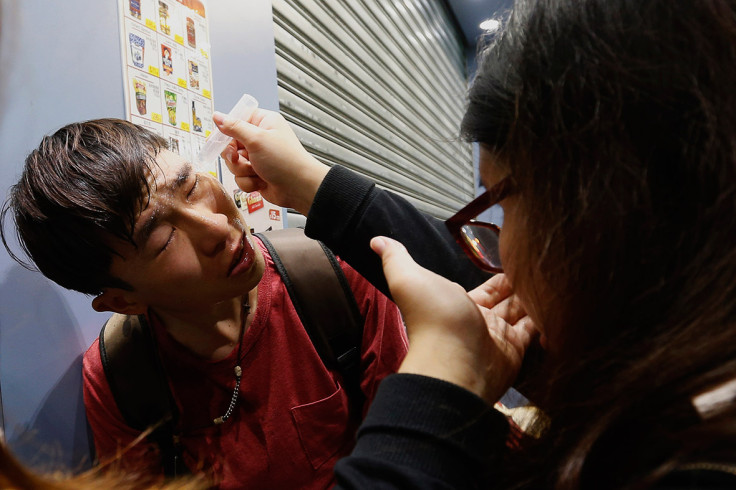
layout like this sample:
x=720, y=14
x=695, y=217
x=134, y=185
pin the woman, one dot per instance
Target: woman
x=608, y=134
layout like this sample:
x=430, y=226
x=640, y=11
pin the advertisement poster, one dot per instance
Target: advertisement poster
x=168, y=76
x=168, y=87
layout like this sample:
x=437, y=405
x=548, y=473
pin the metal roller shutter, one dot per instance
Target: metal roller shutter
x=378, y=86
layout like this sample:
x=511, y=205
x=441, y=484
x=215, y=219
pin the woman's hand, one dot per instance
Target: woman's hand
x=476, y=340
x=266, y=156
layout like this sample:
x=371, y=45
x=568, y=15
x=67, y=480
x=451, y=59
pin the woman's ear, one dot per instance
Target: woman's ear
x=118, y=300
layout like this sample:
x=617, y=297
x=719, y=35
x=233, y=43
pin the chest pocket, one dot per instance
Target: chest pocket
x=324, y=427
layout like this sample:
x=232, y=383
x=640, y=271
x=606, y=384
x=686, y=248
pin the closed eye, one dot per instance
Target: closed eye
x=194, y=187
x=171, y=238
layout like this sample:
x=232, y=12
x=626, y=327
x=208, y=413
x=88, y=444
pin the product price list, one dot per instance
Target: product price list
x=168, y=76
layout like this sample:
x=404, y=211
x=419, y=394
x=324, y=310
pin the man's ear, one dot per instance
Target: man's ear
x=118, y=301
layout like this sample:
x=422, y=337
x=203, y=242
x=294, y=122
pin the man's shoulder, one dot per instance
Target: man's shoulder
x=348, y=271
x=92, y=354
x=93, y=372
x=92, y=358
x=359, y=286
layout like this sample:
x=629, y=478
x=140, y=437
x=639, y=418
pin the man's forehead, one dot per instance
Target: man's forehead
x=167, y=175
x=172, y=172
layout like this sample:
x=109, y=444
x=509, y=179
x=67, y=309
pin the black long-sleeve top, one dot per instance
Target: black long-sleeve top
x=421, y=432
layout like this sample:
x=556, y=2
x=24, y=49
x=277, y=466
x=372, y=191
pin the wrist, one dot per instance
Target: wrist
x=450, y=361
x=312, y=176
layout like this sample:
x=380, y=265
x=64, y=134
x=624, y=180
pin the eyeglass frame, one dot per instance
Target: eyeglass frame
x=466, y=215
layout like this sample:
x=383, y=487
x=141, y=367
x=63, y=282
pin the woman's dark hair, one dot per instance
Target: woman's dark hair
x=82, y=186
x=110, y=474
x=617, y=121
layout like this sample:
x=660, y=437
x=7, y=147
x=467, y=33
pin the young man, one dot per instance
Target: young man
x=103, y=208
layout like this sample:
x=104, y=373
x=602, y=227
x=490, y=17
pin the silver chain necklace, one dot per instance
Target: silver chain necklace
x=238, y=371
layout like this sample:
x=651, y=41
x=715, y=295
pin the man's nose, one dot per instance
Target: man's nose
x=210, y=231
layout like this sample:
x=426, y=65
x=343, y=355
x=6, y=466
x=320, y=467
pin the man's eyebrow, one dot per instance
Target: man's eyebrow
x=144, y=232
x=181, y=177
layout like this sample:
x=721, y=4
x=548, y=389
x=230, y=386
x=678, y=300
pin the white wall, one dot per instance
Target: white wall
x=61, y=63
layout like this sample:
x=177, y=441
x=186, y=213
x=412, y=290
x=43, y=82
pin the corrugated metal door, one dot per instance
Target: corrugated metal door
x=378, y=86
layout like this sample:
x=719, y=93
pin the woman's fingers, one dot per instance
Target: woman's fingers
x=510, y=309
x=493, y=291
x=250, y=184
x=450, y=336
x=497, y=295
x=420, y=293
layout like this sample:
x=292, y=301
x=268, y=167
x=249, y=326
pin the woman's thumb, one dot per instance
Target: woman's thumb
x=235, y=128
x=398, y=266
x=388, y=249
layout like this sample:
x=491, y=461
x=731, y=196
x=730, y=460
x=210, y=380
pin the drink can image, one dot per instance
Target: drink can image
x=137, y=49
x=170, y=98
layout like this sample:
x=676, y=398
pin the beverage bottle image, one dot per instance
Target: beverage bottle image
x=196, y=122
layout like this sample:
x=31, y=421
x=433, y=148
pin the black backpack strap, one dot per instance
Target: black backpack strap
x=139, y=385
x=324, y=302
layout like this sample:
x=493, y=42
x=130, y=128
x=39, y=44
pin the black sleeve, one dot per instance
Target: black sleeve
x=708, y=476
x=349, y=210
x=421, y=433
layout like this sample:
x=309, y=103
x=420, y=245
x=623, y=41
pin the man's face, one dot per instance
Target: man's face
x=194, y=250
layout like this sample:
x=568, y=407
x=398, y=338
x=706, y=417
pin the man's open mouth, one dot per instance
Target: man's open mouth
x=243, y=258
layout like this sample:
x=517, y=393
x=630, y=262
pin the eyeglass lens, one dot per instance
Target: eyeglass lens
x=482, y=240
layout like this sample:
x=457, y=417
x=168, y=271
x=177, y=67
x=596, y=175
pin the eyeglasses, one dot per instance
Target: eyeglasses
x=478, y=239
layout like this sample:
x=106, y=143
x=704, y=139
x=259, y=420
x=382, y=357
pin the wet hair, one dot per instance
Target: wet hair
x=617, y=121
x=80, y=189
